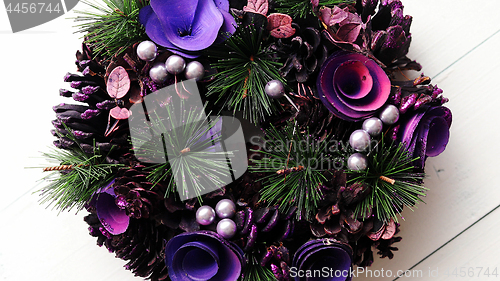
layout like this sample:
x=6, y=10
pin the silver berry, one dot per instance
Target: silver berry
x=205, y=215
x=194, y=70
x=359, y=140
x=226, y=228
x=373, y=126
x=275, y=89
x=357, y=162
x=389, y=115
x=175, y=64
x=225, y=208
x=146, y=50
x=158, y=73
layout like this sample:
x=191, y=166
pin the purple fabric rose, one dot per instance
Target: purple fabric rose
x=114, y=219
x=323, y=253
x=203, y=255
x=189, y=26
x=426, y=132
x=352, y=86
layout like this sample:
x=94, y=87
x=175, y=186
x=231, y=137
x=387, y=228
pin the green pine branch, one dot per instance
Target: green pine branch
x=112, y=27
x=393, y=181
x=296, y=165
x=74, y=187
x=192, y=144
x=245, y=66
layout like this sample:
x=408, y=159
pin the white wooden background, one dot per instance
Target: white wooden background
x=457, y=42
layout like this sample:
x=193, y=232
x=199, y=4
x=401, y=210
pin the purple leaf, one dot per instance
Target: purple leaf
x=257, y=6
x=118, y=83
x=119, y=113
x=315, y=4
x=333, y=16
x=280, y=25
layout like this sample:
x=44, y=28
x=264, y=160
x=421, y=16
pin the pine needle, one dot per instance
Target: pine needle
x=195, y=159
x=296, y=165
x=245, y=66
x=74, y=188
x=111, y=26
x=391, y=161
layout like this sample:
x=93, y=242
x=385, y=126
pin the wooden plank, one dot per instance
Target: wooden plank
x=462, y=179
x=445, y=30
x=471, y=256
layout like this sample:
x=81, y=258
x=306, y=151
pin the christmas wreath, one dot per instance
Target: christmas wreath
x=245, y=140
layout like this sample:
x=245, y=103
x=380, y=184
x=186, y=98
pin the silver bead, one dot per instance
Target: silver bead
x=205, y=215
x=226, y=228
x=158, y=73
x=194, y=70
x=175, y=64
x=389, y=115
x=357, y=162
x=225, y=208
x=275, y=89
x=359, y=140
x=146, y=50
x=373, y=126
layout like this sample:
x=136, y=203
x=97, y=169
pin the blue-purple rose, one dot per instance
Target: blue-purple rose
x=316, y=255
x=186, y=27
x=426, y=132
x=203, y=255
x=352, y=86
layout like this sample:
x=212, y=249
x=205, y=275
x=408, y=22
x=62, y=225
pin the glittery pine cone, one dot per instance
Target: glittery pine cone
x=411, y=95
x=336, y=217
x=266, y=223
x=134, y=192
x=88, y=122
x=142, y=245
x=304, y=54
x=390, y=32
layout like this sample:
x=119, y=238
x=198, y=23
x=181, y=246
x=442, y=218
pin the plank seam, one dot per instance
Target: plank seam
x=454, y=237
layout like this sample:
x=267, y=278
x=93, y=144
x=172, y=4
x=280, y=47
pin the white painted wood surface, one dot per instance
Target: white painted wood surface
x=458, y=44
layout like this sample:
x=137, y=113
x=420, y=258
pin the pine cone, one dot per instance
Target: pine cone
x=88, y=122
x=391, y=37
x=338, y=215
x=142, y=245
x=134, y=192
x=411, y=95
x=266, y=222
x=304, y=54
x=278, y=258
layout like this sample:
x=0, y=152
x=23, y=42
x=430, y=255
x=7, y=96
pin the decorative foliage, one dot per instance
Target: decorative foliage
x=83, y=175
x=257, y=6
x=297, y=165
x=118, y=83
x=280, y=25
x=393, y=180
x=197, y=160
x=113, y=26
x=245, y=65
x=118, y=86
